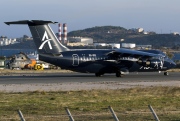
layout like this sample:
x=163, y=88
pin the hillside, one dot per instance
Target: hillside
x=114, y=34
x=110, y=34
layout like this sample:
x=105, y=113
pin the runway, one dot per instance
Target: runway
x=20, y=82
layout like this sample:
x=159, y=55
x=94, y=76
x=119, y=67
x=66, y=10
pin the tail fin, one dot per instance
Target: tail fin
x=43, y=36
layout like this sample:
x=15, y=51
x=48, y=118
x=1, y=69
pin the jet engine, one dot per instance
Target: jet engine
x=142, y=62
x=154, y=63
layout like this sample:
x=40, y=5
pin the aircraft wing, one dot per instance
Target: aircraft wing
x=131, y=53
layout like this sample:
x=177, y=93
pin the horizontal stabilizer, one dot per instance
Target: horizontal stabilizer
x=30, y=22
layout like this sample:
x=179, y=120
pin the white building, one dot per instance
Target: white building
x=84, y=40
x=137, y=30
x=175, y=33
x=113, y=45
x=6, y=41
x=140, y=30
x=100, y=44
x=128, y=45
x=76, y=44
x=143, y=46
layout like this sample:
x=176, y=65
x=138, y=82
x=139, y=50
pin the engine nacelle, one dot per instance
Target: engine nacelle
x=142, y=62
x=154, y=63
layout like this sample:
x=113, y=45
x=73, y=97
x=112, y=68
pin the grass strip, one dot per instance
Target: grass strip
x=129, y=104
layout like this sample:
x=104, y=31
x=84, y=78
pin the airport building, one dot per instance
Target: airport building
x=144, y=47
x=113, y=45
x=83, y=40
x=128, y=45
x=75, y=44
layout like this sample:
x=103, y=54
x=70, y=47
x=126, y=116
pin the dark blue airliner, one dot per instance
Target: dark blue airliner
x=118, y=61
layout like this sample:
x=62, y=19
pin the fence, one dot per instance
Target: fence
x=109, y=107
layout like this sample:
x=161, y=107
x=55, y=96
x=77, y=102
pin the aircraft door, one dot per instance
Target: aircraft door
x=75, y=60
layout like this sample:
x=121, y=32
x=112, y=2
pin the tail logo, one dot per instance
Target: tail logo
x=45, y=40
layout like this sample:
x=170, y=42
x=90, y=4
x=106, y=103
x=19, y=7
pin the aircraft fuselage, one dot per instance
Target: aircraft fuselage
x=94, y=61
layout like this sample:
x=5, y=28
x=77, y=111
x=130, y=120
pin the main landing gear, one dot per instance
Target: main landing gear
x=99, y=74
x=119, y=74
x=166, y=73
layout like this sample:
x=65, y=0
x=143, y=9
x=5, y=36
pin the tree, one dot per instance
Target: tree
x=169, y=54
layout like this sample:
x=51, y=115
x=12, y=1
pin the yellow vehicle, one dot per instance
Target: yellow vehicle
x=30, y=65
x=38, y=67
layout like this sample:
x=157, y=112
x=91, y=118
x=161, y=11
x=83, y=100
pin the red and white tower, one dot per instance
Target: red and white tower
x=65, y=33
x=59, y=32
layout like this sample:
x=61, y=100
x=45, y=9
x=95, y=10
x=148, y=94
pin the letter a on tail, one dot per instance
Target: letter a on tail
x=45, y=40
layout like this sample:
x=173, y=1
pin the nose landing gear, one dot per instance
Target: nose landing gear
x=99, y=74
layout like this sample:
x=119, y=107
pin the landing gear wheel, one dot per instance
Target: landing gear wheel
x=98, y=74
x=118, y=74
x=166, y=73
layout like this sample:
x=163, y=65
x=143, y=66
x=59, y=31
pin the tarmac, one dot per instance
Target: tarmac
x=63, y=81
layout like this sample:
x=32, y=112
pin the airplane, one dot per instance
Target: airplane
x=99, y=61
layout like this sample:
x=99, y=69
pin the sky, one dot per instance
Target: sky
x=161, y=16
